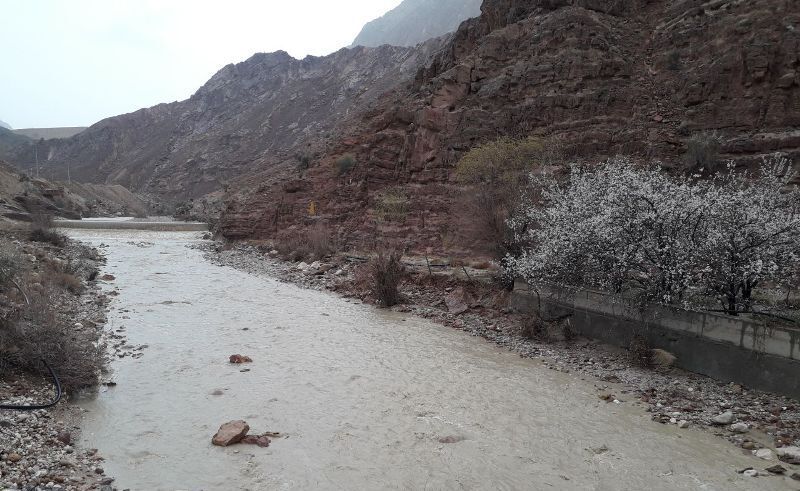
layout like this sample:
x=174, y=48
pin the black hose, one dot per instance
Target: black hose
x=34, y=407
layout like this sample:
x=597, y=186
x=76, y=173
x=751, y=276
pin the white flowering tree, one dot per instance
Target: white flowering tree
x=658, y=238
x=753, y=235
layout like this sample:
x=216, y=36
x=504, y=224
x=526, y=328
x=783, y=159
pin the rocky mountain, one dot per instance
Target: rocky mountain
x=280, y=144
x=271, y=109
x=415, y=21
x=10, y=142
x=595, y=77
x=50, y=133
x=5, y=125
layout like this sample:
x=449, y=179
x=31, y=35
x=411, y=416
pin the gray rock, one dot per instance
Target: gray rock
x=725, y=418
x=763, y=453
x=739, y=428
x=789, y=454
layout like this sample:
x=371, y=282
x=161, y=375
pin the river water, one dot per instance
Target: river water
x=364, y=397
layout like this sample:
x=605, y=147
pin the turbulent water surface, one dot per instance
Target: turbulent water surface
x=367, y=399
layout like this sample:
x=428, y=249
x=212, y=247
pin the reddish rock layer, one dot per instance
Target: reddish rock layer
x=600, y=76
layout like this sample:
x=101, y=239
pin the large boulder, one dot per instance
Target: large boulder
x=230, y=433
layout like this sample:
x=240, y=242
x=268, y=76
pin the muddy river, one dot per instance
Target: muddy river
x=366, y=399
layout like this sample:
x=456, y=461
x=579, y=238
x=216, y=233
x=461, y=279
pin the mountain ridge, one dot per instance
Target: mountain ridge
x=597, y=78
x=255, y=113
x=416, y=21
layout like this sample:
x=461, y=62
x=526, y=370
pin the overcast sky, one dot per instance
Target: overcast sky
x=74, y=62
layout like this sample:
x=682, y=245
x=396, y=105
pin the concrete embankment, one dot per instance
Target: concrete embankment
x=157, y=226
x=733, y=349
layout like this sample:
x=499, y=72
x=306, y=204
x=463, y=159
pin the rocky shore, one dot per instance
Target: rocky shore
x=762, y=424
x=38, y=448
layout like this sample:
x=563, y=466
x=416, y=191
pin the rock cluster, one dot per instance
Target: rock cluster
x=36, y=448
x=234, y=432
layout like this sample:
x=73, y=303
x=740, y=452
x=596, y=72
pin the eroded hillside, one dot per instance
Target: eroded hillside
x=255, y=114
x=598, y=77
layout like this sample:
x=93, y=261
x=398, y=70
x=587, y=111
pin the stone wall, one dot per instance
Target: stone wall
x=731, y=349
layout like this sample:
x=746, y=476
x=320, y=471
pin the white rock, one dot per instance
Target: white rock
x=725, y=418
x=763, y=453
x=739, y=428
x=316, y=265
x=302, y=266
x=683, y=424
x=750, y=473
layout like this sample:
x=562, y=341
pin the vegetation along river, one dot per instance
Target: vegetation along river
x=365, y=398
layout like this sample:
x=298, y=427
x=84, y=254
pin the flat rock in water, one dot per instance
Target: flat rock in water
x=789, y=454
x=776, y=469
x=260, y=440
x=763, y=453
x=239, y=359
x=230, y=433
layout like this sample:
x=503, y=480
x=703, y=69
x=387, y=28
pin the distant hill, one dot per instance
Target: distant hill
x=5, y=125
x=10, y=140
x=21, y=195
x=50, y=133
x=415, y=21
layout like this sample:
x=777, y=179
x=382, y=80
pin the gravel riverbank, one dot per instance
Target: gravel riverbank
x=759, y=423
x=37, y=448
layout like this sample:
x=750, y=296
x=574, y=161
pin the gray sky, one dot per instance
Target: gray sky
x=75, y=62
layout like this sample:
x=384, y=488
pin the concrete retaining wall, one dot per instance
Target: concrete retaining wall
x=726, y=348
x=133, y=225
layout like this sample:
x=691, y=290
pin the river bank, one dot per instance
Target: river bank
x=756, y=422
x=38, y=448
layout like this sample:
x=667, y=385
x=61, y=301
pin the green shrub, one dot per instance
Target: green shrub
x=392, y=205
x=345, y=164
x=497, y=173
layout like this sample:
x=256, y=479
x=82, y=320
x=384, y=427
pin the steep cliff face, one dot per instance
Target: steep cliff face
x=600, y=77
x=415, y=21
x=255, y=114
